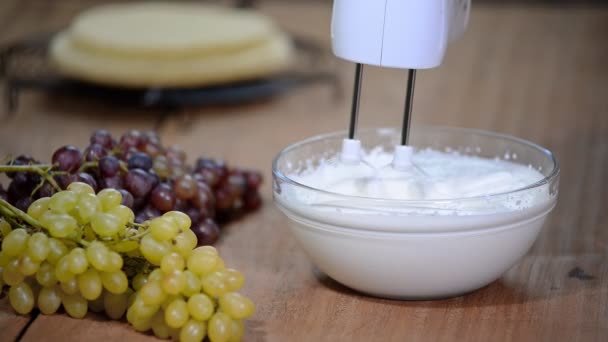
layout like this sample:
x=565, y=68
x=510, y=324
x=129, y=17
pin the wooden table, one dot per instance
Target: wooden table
x=538, y=73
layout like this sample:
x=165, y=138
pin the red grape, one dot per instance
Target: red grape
x=207, y=232
x=252, y=201
x=163, y=198
x=185, y=187
x=47, y=190
x=223, y=199
x=88, y=179
x=140, y=160
x=114, y=182
x=108, y=166
x=103, y=138
x=130, y=139
x=137, y=182
x=20, y=187
x=67, y=158
x=20, y=160
x=94, y=152
x=23, y=203
x=204, y=197
x=254, y=179
x=127, y=198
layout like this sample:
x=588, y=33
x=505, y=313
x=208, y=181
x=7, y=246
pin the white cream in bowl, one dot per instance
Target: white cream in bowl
x=453, y=223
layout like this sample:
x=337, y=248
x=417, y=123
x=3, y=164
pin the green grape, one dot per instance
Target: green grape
x=75, y=305
x=81, y=188
x=200, y=306
x=163, y=228
x=11, y=274
x=174, y=282
x=234, y=279
x=88, y=233
x=193, y=284
x=45, y=275
x=106, y=225
x=27, y=266
x=141, y=324
x=98, y=255
x=63, y=201
x=139, y=281
x=193, y=331
x=115, y=262
x=96, y=305
x=49, y=300
x=237, y=328
x=154, y=250
x=62, y=269
x=115, y=304
x=89, y=284
x=219, y=266
x=57, y=249
x=176, y=313
x=152, y=293
x=115, y=282
x=206, y=250
x=70, y=287
x=5, y=227
x=236, y=305
x=220, y=327
x=156, y=275
x=123, y=213
x=15, y=242
x=59, y=225
x=169, y=299
x=21, y=298
x=184, y=243
x=142, y=310
x=4, y=259
x=125, y=246
x=132, y=297
x=214, y=285
x=38, y=247
x=159, y=327
x=182, y=220
x=88, y=205
x=77, y=261
x=109, y=198
x=202, y=263
x=171, y=262
x=38, y=207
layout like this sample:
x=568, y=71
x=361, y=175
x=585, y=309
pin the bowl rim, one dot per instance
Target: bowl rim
x=545, y=180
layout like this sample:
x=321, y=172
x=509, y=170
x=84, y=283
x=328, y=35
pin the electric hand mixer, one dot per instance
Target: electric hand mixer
x=404, y=34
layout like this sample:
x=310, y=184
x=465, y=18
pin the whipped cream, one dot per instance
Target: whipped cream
x=433, y=175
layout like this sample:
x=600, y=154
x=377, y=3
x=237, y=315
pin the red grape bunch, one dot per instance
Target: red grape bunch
x=153, y=179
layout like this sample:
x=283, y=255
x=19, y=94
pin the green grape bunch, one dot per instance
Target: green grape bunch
x=83, y=251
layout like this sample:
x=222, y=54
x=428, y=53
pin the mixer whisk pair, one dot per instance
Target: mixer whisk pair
x=351, y=147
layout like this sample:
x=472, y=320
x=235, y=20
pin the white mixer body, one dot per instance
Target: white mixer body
x=405, y=34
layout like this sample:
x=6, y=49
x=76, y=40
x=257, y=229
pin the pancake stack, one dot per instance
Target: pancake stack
x=170, y=45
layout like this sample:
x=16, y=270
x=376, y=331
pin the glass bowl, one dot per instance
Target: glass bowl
x=416, y=249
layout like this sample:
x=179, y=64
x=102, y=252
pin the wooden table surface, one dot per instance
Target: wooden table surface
x=538, y=73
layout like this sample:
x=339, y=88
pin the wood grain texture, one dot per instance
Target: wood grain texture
x=537, y=73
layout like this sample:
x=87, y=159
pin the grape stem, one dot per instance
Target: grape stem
x=9, y=211
x=41, y=169
x=136, y=236
x=86, y=166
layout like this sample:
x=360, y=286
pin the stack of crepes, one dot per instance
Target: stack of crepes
x=156, y=44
